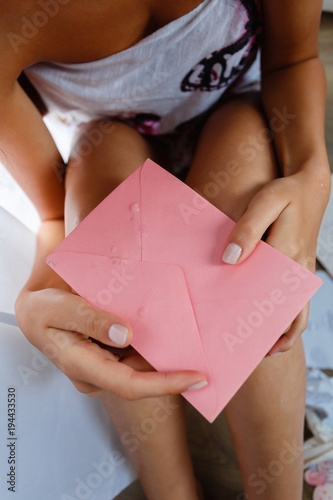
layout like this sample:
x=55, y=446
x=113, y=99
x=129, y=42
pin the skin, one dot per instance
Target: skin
x=293, y=78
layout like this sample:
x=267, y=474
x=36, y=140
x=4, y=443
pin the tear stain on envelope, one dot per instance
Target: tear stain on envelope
x=151, y=253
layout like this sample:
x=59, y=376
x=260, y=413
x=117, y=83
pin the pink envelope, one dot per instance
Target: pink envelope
x=151, y=253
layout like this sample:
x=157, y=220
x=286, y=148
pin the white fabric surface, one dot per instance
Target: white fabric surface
x=17, y=246
x=14, y=200
x=328, y=5
x=66, y=447
x=319, y=415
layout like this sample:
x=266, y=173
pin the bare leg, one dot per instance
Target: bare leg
x=266, y=415
x=154, y=434
x=152, y=430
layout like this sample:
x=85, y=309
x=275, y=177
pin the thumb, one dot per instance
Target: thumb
x=263, y=210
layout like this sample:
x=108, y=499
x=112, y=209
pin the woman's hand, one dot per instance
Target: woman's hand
x=63, y=326
x=291, y=208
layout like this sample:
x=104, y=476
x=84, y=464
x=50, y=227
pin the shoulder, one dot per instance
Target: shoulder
x=59, y=30
x=31, y=28
x=19, y=21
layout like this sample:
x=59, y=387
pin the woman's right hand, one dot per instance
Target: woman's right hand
x=62, y=325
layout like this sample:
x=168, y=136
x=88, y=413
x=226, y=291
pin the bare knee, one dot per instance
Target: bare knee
x=104, y=154
x=223, y=170
x=102, y=137
x=245, y=110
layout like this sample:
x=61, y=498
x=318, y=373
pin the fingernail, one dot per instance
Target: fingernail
x=275, y=354
x=198, y=385
x=232, y=253
x=118, y=334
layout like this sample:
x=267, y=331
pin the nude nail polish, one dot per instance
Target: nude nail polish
x=118, y=334
x=275, y=354
x=232, y=253
x=198, y=385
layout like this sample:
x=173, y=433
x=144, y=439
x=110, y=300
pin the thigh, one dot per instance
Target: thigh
x=233, y=160
x=235, y=156
x=104, y=153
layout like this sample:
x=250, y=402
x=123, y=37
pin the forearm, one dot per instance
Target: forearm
x=29, y=152
x=50, y=234
x=298, y=93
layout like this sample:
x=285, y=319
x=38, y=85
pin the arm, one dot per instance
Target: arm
x=56, y=321
x=29, y=152
x=293, y=85
x=26, y=147
x=61, y=325
x=294, y=78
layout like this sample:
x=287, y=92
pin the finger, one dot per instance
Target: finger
x=87, y=389
x=287, y=329
x=58, y=343
x=75, y=314
x=137, y=362
x=80, y=363
x=264, y=208
x=288, y=340
x=61, y=341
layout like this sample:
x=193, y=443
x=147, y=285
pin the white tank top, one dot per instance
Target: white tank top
x=169, y=77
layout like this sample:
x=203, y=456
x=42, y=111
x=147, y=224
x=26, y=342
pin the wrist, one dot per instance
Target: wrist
x=315, y=183
x=50, y=234
x=315, y=174
x=315, y=166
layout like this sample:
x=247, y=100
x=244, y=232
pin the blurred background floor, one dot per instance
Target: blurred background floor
x=211, y=447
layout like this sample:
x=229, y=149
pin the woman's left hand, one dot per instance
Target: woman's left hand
x=291, y=208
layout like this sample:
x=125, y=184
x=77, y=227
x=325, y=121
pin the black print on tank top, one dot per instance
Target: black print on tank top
x=221, y=67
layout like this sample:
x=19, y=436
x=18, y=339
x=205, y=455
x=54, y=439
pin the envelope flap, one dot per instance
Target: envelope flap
x=113, y=227
x=154, y=299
